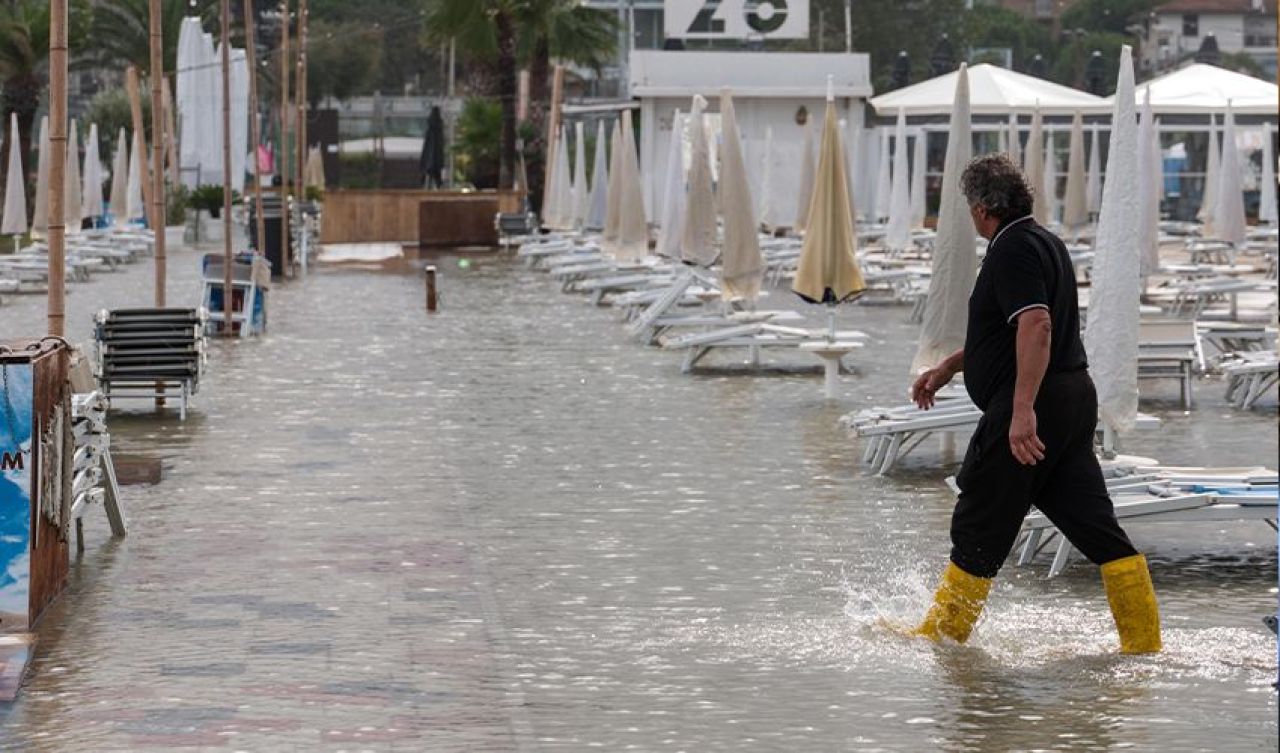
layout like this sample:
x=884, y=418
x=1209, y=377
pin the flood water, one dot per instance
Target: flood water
x=507, y=527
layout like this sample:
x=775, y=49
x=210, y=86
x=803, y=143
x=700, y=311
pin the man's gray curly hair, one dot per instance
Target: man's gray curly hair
x=994, y=182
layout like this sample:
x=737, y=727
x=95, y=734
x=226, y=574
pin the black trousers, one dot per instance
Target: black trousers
x=996, y=491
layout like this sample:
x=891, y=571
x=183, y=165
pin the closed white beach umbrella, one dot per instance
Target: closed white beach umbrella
x=15, y=191
x=765, y=208
x=581, y=192
x=119, y=178
x=134, y=209
x=1093, y=185
x=1267, y=211
x=313, y=171
x=633, y=226
x=698, y=240
x=917, y=182
x=1014, y=143
x=598, y=203
x=1033, y=166
x=897, y=235
x=71, y=187
x=884, y=177
x=1228, y=216
x=743, y=267
x=561, y=185
x=613, y=209
x=1050, y=187
x=40, y=214
x=671, y=218
x=239, y=80
x=955, y=255
x=1075, y=203
x=1111, y=334
x=190, y=99
x=828, y=269
x=1208, y=197
x=807, y=174
x=1148, y=217
x=92, y=205
x=864, y=178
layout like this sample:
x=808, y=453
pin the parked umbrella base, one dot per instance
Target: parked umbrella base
x=830, y=353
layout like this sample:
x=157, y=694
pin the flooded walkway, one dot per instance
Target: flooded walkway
x=506, y=527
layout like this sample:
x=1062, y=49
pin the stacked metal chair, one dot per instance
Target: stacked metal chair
x=152, y=354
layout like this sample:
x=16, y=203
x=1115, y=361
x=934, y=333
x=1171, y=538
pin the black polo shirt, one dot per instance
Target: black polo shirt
x=1025, y=267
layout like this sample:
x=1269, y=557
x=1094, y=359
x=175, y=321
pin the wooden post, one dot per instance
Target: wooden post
x=300, y=102
x=227, y=292
x=432, y=298
x=285, y=259
x=255, y=135
x=57, y=165
x=157, y=151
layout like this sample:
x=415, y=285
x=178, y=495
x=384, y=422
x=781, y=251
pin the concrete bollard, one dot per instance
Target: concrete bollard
x=432, y=298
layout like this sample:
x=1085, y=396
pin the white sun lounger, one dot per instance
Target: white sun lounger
x=754, y=336
x=1250, y=376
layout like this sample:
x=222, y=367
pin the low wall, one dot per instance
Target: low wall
x=394, y=216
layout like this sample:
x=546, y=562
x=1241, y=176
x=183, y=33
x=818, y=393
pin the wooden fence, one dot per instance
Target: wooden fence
x=395, y=216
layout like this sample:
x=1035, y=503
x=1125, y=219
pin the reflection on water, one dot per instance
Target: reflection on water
x=505, y=527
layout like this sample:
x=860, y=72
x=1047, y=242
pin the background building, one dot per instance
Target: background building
x=1175, y=31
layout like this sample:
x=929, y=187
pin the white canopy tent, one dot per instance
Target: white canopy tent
x=1201, y=89
x=992, y=91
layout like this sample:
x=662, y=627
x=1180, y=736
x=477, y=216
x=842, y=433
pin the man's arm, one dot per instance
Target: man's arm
x=928, y=383
x=1035, y=334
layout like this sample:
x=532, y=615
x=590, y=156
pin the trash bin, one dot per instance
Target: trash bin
x=271, y=219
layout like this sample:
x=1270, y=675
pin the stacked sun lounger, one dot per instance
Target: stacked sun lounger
x=150, y=354
x=1250, y=376
x=93, y=472
x=1155, y=494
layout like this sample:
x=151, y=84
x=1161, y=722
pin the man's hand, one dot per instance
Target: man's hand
x=1023, y=442
x=928, y=384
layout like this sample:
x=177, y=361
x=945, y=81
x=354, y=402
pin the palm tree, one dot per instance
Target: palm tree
x=485, y=30
x=24, y=60
x=121, y=30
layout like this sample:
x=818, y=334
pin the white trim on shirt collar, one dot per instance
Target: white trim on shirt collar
x=1006, y=227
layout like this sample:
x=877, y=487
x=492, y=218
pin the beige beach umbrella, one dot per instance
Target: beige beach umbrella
x=581, y=193
x=743, y=267
x=698, y=239
x=134, y=208
x=1075, y=204
x=671, y=219
x=92, y=205
x=955, y=254
x=315, y=168
x=119, y=178
x=598, y=202
x=15, y=192
x=633, y=226
x=897, y=236
x=71, y=186
x=1228, y=216
x=1111, y=334
x=807, y=170
x=40, y=214
x=828, y=270
x=1093, y=184
x=1033, y=166
x=1208, y=197
x=1148, y=217
x=918, y=208
x=613, y=207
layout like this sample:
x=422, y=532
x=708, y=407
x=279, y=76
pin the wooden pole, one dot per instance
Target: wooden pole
x=57, y=165
x=157, y=151
x=286, y=261
x=135, y=107
x=255, y=136
x=227, y=292
x=432, y=297
x=300, y=127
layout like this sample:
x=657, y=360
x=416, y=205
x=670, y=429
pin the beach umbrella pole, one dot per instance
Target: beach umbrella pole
x=157, y=150
x=286, y=259
x=227, y=292
x=57, y=165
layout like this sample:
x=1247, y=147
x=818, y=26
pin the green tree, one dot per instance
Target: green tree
x=24, y=61
x=1106, y=15
x=476, y=144
x=991, y=26
x=1069, y=65
x=343, y=58
x=121, y=32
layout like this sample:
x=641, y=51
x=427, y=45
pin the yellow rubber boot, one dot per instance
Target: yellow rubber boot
x=1133, y=604
x=956, y=606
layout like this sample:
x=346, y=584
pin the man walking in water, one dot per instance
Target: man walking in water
x=1025, y=368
